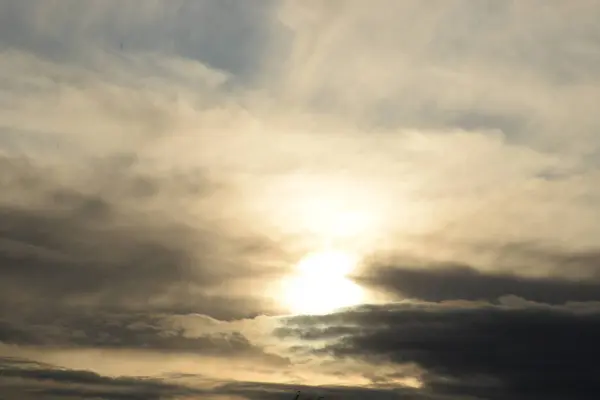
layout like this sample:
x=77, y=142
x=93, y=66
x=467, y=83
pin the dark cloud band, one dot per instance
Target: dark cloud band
x=495, y=352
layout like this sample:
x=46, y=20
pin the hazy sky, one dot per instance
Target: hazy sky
x=239, y=199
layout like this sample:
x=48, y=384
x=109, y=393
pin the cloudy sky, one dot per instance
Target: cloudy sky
x=242, y=199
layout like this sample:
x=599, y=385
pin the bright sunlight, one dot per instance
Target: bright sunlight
x=321, y=285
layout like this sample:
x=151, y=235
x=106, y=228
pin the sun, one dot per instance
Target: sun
x=320, y=284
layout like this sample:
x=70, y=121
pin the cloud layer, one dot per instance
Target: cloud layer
x=164, y=164
x=478, y=350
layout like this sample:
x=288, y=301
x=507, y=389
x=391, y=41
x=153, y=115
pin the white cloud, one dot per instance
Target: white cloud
x=475, y=119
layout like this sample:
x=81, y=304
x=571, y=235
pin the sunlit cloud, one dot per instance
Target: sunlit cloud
x=239, y=200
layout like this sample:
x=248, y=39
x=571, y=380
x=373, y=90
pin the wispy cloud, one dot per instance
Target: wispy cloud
x=163, y=164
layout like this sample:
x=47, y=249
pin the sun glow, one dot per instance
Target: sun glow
x=321, y=285
x=328, y=212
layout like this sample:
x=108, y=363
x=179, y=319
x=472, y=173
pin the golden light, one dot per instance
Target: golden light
x=326, y=265
x=333, y=219
x=320, y=284
x=325, y=211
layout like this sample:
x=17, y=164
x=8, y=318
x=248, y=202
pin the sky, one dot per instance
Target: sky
x=239, y=200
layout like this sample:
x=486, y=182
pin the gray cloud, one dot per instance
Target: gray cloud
x=462, y=282
x=126, y=331
x=492, y=352
x=101, y=244
x=22, y=379
x=270, y=391
x=103, y=259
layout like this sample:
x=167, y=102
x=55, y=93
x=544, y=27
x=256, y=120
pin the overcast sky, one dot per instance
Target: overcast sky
x=180, y=181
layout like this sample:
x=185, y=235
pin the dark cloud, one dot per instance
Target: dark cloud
x=24, y=379
x=459, y=282
x=129, y=331
x=104, y=244
x=21, y=379
x=91, y=265
x=271, y=391
x=484, y=351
